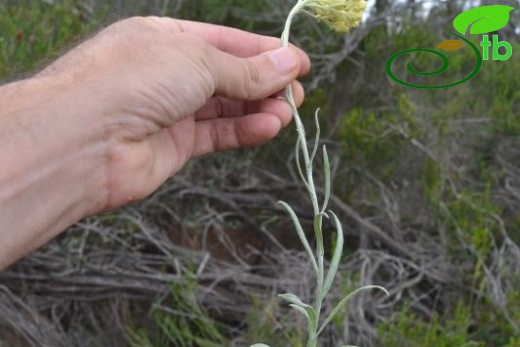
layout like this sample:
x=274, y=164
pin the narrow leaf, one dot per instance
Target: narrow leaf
x=293, y=299
x=311, y=320
x=310, y=313
x=318, y=219
x=326, y=165
x=333, y=269
x=317, y=139
x=320, y=255
x=301, y=234
x=345, y=300
x=298, y=162
x=259, y=345
x=302, y=311
x=451, y=45
x=483, y=19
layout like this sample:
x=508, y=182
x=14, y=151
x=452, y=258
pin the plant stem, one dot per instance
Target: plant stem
x=312, y=313
x=299, y=125
x=313, y=335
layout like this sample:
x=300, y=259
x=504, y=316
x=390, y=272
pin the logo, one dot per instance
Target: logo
x=477, y=21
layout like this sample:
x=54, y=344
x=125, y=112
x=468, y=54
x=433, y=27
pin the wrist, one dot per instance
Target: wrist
x=52, y=162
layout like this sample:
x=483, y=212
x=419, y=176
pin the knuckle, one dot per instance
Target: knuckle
x=202, y=55
x=196, y=46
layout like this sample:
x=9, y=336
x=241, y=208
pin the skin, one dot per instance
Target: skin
x=111, y=120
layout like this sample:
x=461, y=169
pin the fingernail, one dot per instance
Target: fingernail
x=283, y=59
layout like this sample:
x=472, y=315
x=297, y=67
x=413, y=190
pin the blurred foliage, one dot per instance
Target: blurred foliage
x=264, y=325
x=374, y=138
x=180, y=321
x=462, y=195
x=411, y=331
x=34, y=32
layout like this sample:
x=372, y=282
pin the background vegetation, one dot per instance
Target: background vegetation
x=427, y=184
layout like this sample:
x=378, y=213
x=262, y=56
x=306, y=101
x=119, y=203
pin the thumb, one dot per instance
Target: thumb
x=255, y=77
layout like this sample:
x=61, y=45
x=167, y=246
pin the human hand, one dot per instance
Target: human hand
x=115, y=117
x=164, y=90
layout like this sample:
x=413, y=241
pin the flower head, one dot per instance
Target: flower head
x=340, y=15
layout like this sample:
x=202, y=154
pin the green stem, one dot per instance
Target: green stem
x=313, y=335
x=299, y=125
x=323, y=286
x=313, y=340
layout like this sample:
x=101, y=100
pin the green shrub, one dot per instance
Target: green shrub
x=411, y=330
x=33, y=32
x=180, y=321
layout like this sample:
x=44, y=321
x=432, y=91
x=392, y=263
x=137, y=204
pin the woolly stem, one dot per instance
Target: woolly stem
x=299, y=125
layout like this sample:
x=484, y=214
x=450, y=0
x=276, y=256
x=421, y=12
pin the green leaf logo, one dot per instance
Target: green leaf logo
x=482, y=20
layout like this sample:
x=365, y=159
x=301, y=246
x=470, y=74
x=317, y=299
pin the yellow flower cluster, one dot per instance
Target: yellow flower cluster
x=340, y=15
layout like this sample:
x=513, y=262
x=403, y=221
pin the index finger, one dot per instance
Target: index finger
x=238, y=42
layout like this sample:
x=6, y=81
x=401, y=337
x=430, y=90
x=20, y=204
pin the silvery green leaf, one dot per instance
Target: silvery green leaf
x=301, y=234
x=259, y=345
x=293, y=299
x=317, y=138
x=296, y=303
x=326, y=164
x=302, y=311
x=298, y=163
x=319, y=234
x=333, y=269
x=345, y=300
x=309, y=314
